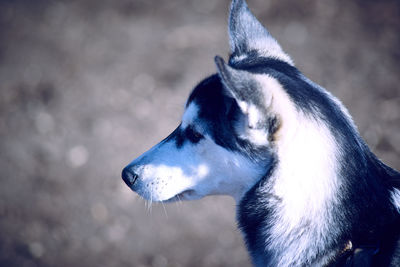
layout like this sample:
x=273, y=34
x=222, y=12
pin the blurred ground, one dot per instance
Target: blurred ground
x=86, y=86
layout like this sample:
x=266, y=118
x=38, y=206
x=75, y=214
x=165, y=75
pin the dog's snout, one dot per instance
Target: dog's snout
x=129, y=176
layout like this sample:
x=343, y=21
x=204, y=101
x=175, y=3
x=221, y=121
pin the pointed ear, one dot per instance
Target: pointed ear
x=238, y=83
x=245, y=90
x=247, y=34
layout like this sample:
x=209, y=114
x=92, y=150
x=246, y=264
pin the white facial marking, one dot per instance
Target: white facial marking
x=193, y=170
x=395, y=194
x=203, y=169
x=243, y=106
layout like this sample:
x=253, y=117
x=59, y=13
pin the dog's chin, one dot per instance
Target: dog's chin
x=189, y=194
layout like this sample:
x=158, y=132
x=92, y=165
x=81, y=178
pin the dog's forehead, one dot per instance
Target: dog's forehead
x=209, y=98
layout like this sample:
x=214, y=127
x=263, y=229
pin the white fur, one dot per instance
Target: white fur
x=270, y=48
x=257, y=136
x=395, y=194
x=194, y=170
x=303, y=183
x=258, y=39
x=248, y=129
x=305, y=179
x=239, y=58
x=254, y=116
x=190, y=114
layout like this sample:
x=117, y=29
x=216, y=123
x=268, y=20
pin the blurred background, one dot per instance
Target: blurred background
x=86, y=86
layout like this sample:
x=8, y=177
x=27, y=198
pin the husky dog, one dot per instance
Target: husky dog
x=309, y=191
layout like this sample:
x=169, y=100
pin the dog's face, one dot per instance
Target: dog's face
x=224, y=143
x=213, y=151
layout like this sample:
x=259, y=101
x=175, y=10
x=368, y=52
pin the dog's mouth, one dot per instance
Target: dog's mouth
x=189, y=194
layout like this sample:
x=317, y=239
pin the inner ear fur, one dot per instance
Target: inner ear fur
x=244, y=89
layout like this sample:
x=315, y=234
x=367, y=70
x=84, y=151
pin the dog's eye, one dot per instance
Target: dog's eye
x=193, y=135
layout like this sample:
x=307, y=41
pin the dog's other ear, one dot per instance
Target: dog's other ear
x=245, y=90
x=248, y=35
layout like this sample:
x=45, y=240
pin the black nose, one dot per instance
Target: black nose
x=129, y=176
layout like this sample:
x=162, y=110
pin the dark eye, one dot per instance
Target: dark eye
x=193, y=135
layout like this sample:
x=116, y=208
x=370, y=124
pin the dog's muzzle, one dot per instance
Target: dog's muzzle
x=129, y=176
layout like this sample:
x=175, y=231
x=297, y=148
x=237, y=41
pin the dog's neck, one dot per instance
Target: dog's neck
x=306, y=183
x=301, y=189
x=294, y=215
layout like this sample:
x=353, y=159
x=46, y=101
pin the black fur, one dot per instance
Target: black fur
x=218, y=114
x=368, y=208
x=362, y=211
x=180, y=136
x=369, y=217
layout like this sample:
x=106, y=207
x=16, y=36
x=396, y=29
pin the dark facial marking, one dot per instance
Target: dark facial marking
x=180, y=136
x=192, y=135
x=218, y=113
x=176, y=136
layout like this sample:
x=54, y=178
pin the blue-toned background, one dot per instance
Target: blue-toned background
x=86, y=86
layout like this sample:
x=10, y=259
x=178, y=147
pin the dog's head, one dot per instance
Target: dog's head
x=225, y=141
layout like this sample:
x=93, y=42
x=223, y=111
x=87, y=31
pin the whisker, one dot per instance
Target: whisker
x=165, y=210
x=151, y=202
x=179, y=200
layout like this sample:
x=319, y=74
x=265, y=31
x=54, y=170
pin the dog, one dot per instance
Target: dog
x=309, y=191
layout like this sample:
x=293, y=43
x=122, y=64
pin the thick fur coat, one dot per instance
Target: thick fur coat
x=309, y=190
